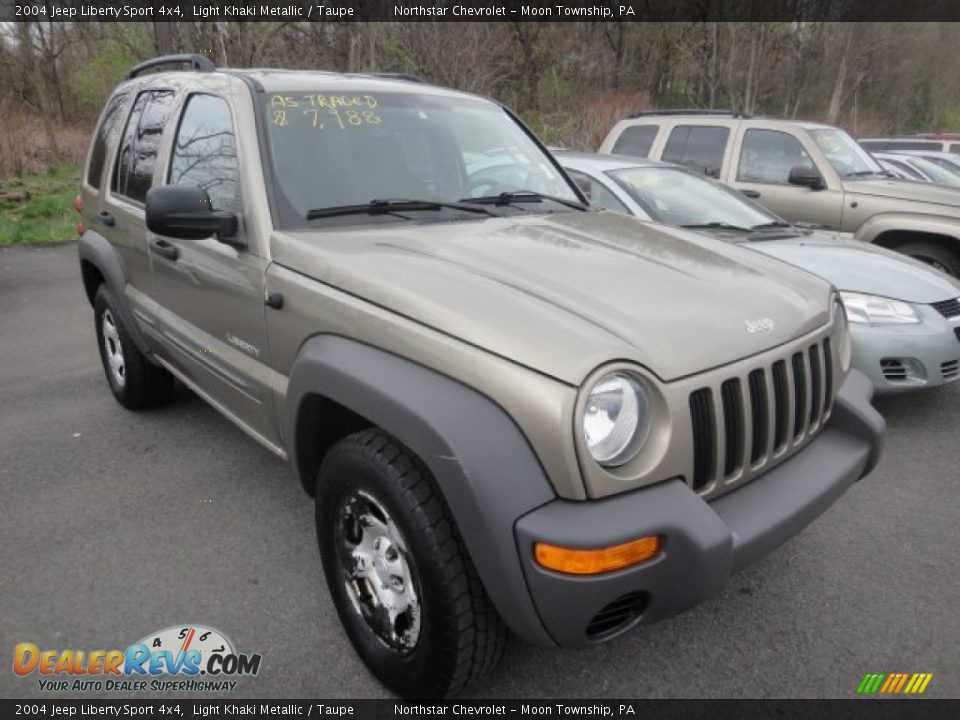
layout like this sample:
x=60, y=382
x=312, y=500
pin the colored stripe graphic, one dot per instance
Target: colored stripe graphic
x=894, y=683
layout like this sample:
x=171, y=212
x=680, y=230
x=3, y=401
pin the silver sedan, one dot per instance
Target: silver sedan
x=904, y=315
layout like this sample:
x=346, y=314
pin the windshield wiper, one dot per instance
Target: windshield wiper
x=391, y=207
x=520, y=196
x=772, y=225
x=716, y=226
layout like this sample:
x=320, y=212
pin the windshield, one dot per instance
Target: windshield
x=347, y=150
x=935, y=172
x=677, y=197
x=843, y=152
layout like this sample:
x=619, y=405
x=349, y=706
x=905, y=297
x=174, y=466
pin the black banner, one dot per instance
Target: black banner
x=374, y=709
x=477, y=10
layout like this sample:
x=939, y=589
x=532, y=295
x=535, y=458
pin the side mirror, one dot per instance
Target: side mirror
x=807, y=177
x=185, y=212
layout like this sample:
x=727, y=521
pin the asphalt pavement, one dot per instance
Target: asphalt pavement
x=115, y=524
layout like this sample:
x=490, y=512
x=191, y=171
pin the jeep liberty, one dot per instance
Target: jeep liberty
x=515, y=415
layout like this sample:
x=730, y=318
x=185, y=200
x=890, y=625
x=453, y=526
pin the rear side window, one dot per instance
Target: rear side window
x=699, y=147
x=205, y=152
x=955, y=148
x=636, y=140
x=767, y=156
x=140, y=144
x=105, y=136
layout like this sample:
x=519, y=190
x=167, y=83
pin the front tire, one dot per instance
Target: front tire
x=135, y=382
x=401, y=580
x=940, y=258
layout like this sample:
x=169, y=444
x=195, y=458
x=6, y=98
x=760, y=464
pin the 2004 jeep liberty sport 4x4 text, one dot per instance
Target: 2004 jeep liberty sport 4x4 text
x=515, y=413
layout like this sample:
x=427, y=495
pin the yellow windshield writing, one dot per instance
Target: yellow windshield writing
x=324, y=111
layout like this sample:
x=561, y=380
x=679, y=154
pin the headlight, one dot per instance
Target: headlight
x=616, y=419
x=843, y=335
x=873, y=310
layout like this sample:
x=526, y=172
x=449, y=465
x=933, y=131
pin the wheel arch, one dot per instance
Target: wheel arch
x=483, y=466
x=100, y=264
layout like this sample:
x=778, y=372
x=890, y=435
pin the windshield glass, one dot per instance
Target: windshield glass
x=332, y=150
x=935, y=172
x=677, y=197
x=843, y=152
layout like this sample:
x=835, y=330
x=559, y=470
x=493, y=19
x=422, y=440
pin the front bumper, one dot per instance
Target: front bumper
x=897, y=358
x=702, y=543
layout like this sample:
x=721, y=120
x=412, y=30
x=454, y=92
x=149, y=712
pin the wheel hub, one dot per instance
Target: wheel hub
x=113, y=349
x=377, y=573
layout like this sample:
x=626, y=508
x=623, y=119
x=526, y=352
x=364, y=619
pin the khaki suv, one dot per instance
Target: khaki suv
x=803, y=172
x=514, y=413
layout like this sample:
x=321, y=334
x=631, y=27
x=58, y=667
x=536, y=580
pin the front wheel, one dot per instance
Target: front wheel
x=938, y=257
x=401, y=580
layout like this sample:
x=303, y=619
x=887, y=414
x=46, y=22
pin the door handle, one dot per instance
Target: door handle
x=162, y=247
x=106, y=218
x=750, y=193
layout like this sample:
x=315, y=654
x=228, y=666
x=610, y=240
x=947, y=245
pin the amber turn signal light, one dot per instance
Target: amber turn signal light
x=579, y=561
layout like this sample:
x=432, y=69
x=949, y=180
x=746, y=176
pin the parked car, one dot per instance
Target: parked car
x=942, y=142
x=948, y=161
x=803, y=172
x=492, y=442
x=904, y=316
x=928, y=171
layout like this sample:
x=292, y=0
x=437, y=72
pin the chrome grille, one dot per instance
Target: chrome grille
x=948, y=308
x=745, y=424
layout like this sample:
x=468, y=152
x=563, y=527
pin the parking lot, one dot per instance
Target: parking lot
x=116, y=524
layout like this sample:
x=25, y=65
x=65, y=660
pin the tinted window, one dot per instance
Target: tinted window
x=636, y=140
x=955, y=148
x=105, y=135
x=767, y=156
x=697, y=147
x=597, y=194
x=141, y=142
x=205, y=152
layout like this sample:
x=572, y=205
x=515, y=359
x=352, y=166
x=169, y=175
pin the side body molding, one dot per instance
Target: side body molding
x=484, y=466
x=98, y=251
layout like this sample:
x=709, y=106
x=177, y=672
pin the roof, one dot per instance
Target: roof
x=603, y=163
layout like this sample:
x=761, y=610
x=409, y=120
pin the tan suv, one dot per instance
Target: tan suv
x=513, y=412
x=803, y=172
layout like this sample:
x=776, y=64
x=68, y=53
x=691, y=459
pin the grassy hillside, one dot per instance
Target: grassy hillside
x=39, y=207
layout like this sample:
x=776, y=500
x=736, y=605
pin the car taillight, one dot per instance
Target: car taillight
x=78, y=206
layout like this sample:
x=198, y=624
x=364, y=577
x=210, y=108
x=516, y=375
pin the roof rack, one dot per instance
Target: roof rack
x=690, y=111
x=198, y=63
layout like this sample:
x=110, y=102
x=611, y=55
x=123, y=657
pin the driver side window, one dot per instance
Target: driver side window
x=767, y=156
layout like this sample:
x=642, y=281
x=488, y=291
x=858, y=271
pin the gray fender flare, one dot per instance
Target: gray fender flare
x=481, y=461
x=98, y=251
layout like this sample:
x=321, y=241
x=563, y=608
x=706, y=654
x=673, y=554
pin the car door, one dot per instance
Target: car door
x=763, y=158
x=210, y=293
x=120, y=217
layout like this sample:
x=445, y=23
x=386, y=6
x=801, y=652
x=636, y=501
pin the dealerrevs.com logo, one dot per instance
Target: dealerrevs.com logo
x=198, y=658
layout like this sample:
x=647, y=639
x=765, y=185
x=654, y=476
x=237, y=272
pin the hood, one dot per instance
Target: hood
x=565, y=293
x=906, y=190
x=862, y=267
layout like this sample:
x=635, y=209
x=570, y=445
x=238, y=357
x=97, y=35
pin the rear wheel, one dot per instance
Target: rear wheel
x=135, y=382
x=936, y=256
x=402, y=582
